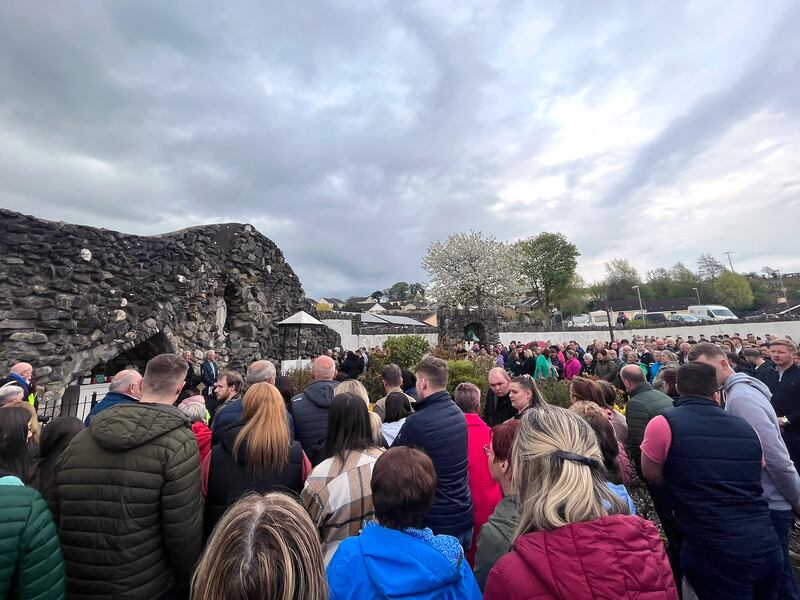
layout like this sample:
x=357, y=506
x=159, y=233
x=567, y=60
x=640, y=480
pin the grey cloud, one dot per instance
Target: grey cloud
x=354, y=134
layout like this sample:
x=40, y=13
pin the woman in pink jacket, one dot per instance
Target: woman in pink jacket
x=572, y=366
x=486, y=493
x=575, y=538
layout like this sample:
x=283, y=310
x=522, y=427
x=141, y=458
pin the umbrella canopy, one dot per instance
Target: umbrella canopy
x=301, y=319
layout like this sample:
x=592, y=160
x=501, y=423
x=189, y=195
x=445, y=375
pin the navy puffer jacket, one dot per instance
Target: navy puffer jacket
x=440, y=429
x=310, y=410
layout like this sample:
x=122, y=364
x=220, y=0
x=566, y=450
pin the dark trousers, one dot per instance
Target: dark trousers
x=671, y=531
x=783, y=520
x=716, y=578
x=465, y=539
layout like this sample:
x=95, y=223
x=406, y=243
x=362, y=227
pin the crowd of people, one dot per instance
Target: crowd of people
x=243, y=487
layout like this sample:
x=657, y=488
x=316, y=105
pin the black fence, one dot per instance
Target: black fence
x=71, y=405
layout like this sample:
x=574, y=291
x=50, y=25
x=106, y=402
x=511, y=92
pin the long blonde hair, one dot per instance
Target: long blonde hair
x=554, y=491
x=354, y=386
x=265, y=429
x=263, y=547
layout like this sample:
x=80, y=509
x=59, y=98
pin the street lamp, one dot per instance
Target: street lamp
x=696, y=291
x=641, y=306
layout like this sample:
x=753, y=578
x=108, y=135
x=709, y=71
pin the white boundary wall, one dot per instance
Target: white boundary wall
x=352, y=342
x=778, y=328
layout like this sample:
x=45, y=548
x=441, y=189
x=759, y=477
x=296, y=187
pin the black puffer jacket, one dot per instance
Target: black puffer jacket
x=440, y=429
x=129, y=503
x=230, y=477
x=310, y=410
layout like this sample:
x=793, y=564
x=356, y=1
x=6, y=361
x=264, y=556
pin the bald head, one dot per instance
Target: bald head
x=24, y=370
x=498, y=381
x=323, y=369
x=261, y=371
x=127, y=382
x=632, y=376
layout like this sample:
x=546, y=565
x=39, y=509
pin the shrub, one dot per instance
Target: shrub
x=406, y=350
x=470, y=371
x=555, y=392
x=372, y=378
x=300, y=378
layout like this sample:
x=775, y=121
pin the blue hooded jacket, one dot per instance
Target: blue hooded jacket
x=109, y=400
x=386, y=563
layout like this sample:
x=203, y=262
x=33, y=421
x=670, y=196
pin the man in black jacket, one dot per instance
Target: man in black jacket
x=759, y=368
x=498, y=407
x=784, y=383
x=209, y=373
x=438, y=427
x=310, y=408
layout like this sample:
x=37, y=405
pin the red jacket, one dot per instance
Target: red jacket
x=612, y=558
x=203, y=435
x=486, y=493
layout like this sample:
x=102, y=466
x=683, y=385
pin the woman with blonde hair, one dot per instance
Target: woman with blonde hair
x=264, y=547
x=253, y=455
x=353, y=386
x=571, y=523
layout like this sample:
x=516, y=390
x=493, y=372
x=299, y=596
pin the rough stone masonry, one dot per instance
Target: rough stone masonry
x=75, y=297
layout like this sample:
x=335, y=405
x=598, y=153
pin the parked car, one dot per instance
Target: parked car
x=712, y=312
x=582, y=320
x=683, y=319
x=651, y=317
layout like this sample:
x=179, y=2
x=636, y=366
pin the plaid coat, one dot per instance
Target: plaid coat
x=338, y=496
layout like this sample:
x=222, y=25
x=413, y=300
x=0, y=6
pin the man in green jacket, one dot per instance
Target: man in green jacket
x=644, y=404
x=128, y=495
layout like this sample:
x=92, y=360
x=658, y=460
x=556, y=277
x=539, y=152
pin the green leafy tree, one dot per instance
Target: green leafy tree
x=682, y=281
x=377, y=295
x=399, y=291
x=416, y=291
x=733, y=290
x=621, y=276
x=547, y=263
x=659, y=283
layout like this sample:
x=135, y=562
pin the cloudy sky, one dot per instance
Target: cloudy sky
x=354, y=134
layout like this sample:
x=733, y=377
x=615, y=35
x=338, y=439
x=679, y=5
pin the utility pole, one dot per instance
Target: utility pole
x=730, y=262
x=608, y=316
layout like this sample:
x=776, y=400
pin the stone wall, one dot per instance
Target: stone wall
x=454, y=322
x=75, y=298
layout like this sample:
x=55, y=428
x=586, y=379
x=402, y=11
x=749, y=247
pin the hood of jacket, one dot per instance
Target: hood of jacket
x=320, y=393
x=574, y=561
x=402, y=566
x=744, y=378
x=126, y=426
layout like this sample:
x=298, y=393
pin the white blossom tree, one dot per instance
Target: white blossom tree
x=470, y=269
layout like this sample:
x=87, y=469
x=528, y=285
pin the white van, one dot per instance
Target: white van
x=713, y=313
